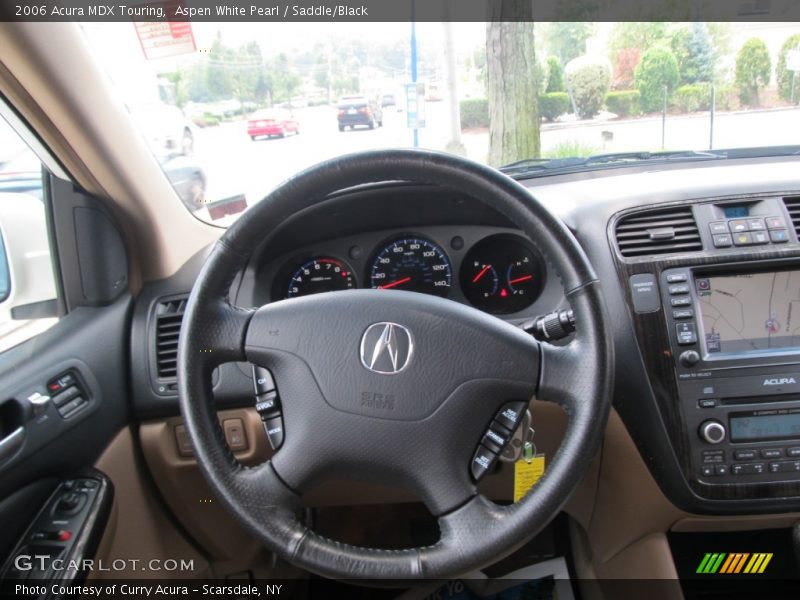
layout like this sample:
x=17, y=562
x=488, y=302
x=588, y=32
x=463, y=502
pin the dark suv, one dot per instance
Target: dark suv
x=359, y=110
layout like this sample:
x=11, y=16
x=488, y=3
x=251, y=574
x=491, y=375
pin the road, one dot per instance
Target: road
x=235, y=164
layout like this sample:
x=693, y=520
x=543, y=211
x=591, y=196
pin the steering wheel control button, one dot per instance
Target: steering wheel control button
x=644, y=293
x=511, y=414
x=274, y=429
x=494, y=440
x=713, y=432
x=262, y=380
x=482, y=462
x=268, y=405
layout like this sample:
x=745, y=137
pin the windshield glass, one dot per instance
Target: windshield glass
x=232, y=109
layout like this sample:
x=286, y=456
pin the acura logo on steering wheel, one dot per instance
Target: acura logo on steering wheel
x=386, y=348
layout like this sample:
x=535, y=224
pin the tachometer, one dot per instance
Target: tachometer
x=322, y=274
x=412, y=264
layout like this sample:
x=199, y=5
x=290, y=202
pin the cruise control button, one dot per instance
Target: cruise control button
x=483, y=460
x=268, y=405
x=511, y=414
x=262, y=380
x=723, y=240
x=274, y=429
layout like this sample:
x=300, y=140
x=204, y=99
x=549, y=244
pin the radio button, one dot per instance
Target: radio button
x=689, y=358
x=676, y=278
x=687, y=334
x=721, y=470
x=723, y=240
x=772, y=453
x=712, y=432
x=707, y=403
x=784, y=466
x=748, y=469
x=707, y=471
x=745, y=455
x=680, y=301
x=683, y=313
x=793, y=452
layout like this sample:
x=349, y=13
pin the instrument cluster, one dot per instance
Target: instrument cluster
x=500, y=273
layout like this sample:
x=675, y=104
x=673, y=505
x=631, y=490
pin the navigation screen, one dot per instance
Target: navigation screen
x=752, y=312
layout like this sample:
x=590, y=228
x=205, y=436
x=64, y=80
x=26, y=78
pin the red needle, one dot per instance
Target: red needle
x=394, y=283
x=520, y=279
x=479, y=275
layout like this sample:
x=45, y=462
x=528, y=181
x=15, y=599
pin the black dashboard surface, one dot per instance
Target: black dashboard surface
x=370, y=216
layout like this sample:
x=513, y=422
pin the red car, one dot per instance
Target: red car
x=271, y=121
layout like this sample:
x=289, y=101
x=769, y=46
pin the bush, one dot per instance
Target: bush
x=552, y=106
x=474, y=113
x=692, y=97
x=625, y=103
x=569, y=149
x=753, y=70
x=624, y=67
x=783, y=74
x=588, y=80
x=726, y=97
x=555, y=76
x=657, y=68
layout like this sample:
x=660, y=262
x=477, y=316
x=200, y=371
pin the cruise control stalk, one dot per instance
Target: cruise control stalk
x=552, y=326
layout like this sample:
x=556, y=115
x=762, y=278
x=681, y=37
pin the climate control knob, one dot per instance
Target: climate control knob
x=712, y=432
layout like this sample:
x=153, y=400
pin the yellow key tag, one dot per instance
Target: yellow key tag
x=526, y=474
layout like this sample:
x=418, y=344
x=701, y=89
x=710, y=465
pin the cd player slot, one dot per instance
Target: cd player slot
x=758, y=399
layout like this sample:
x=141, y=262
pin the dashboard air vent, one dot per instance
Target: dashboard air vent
x=658, y=232
x=793, y=207
x=169, y=314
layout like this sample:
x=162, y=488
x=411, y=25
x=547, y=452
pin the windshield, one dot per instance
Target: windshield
x=232, y=109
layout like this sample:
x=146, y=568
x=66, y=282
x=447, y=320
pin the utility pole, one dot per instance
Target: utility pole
x=414, y=59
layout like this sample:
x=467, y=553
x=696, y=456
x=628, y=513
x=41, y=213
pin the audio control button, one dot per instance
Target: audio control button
x=712, y=432
x=689, y=358
x=749, y=469
x=793, y=452
x=713, y=456
x=745, y=455
x=772, y=453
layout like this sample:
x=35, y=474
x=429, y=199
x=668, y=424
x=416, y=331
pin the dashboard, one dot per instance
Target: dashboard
x=699, y=266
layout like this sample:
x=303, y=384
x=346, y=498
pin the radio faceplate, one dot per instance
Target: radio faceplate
x=741, y=409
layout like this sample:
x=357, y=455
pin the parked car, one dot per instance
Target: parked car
x=167, y=130
x=272, y=121
x=388, y=100
x=358, y=110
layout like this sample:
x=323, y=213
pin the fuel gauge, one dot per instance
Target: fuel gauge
x=501, y=274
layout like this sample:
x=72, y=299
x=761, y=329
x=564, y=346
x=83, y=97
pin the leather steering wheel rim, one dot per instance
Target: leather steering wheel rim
x=474, y=531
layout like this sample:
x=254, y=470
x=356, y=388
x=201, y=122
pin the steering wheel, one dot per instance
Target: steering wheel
x=441, y=370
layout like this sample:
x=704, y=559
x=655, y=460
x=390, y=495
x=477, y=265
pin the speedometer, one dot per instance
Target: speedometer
x=412, y=264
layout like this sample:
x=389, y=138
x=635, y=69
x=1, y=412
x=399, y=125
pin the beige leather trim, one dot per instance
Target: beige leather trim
x=743, y=523
x=49, y=76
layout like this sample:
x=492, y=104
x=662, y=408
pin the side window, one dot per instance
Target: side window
x=28, y=291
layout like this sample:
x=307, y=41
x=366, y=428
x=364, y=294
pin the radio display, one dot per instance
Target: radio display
x=748, y=428
x=753, y=312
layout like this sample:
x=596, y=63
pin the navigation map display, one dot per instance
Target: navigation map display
x=750, y=312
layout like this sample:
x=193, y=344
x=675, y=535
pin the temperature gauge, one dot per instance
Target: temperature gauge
x=501, y=274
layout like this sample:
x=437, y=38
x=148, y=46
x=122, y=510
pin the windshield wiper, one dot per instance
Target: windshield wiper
x=539, y=167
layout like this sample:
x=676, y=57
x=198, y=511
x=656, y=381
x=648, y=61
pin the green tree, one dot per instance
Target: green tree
x=658, y=68
x=588, y=80
x=753, y=70
x=567, y=40
x=784, y=75
x=555, y=76
x=700, y=66
x=512, y=87
x=641, y=36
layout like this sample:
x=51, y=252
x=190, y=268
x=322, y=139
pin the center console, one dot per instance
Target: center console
x=718, y=329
